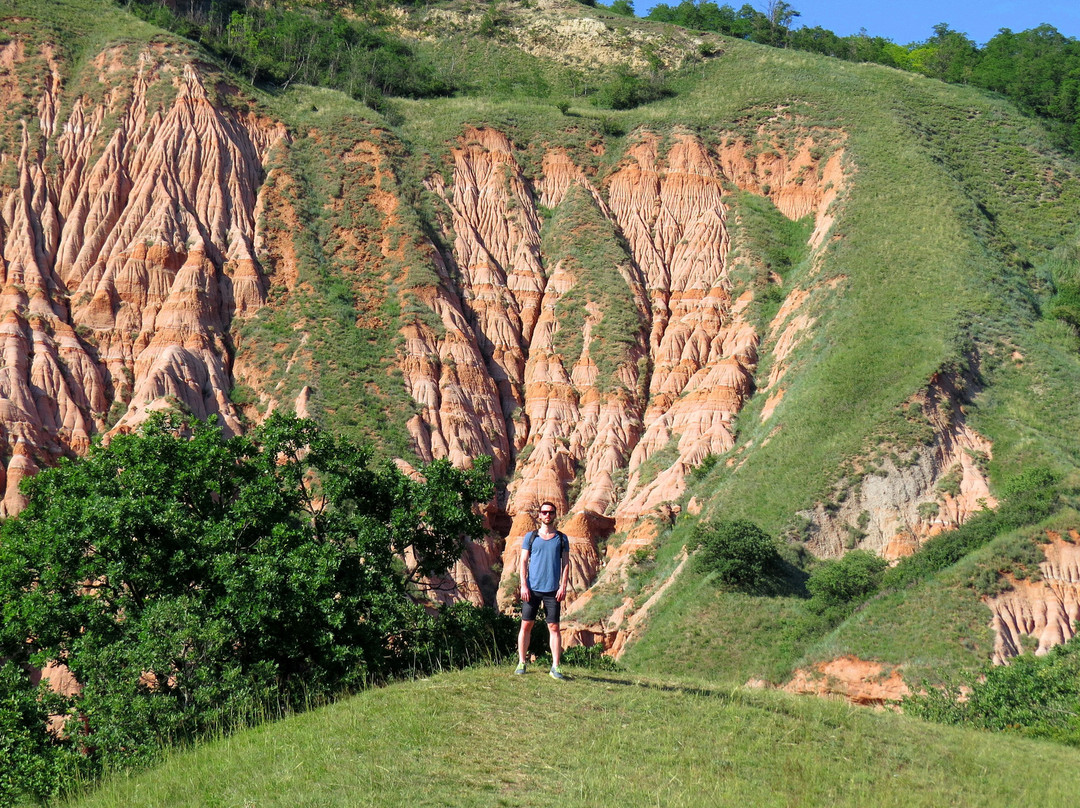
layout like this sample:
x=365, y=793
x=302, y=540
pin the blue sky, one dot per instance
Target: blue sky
x=914, y=20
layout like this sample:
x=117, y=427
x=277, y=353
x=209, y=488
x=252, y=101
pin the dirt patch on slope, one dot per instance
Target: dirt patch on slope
x=859, y=681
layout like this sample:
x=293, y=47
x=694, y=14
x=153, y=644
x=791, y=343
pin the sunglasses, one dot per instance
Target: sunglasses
x=547, y=513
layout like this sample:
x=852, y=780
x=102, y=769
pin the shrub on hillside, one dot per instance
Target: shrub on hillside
x=840, y=585
x=312, y=43
x=627, y=90
x=739, y=552
x=1035, y=696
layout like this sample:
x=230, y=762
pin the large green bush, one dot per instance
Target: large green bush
x=840, y=585
x=1033, y=695
x=737, y=551
x=189, y=580
x=626, y=90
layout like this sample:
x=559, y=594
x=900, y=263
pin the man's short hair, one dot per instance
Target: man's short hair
x=547, y=504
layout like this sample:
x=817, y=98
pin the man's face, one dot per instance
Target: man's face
x=547, y=515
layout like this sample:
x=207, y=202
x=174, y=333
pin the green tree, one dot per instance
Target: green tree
x=185, y=578
x=952, y=55
x=707, y=16
x=627, y=89
x=776, y=25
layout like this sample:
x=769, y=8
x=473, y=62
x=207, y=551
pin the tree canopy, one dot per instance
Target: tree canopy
x=186, y=579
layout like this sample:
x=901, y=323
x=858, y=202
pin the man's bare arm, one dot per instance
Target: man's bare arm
x=523, y=574
x=564, y=577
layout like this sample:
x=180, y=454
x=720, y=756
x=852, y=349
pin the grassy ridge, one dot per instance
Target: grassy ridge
x=485, y=737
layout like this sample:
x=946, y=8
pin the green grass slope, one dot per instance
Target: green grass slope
x=485, y=737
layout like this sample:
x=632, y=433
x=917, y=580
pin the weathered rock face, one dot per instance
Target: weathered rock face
x=581, y=326
x=561, y=33
x=902, y=501
x=1045, y=610
x=126, y=239
x=618, y=370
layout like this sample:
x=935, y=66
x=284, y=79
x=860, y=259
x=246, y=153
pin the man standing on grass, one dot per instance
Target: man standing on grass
x=544, y=571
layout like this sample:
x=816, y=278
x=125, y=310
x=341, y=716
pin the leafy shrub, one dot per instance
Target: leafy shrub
x=627, y=90
x=1019, y=556
x=494, y=18
x=592, y=657
x=33, y=762
x=739, y=552
x=842, y=584
x=187, y=581
x=1035, y=696
x=708, y=463
x=461, y=634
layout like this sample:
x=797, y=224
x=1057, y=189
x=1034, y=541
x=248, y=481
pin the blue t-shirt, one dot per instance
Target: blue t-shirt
x=545, y=561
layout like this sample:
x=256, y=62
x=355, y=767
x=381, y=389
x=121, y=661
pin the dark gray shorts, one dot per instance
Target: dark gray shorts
x=552, y=607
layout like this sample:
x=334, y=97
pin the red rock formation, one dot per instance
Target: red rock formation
x=606, y=457
x=125, y=256
x=130, y=246
x=858, y=681
x=1046, y=610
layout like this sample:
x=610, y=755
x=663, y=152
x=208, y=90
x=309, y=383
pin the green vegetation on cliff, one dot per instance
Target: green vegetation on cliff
x=590, y=250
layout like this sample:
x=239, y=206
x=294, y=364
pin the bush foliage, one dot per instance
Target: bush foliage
x=737, y=551
x=188, y=580
x=1037, y=696
x=838, y=586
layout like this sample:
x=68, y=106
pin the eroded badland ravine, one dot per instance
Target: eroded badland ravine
x=577, y=310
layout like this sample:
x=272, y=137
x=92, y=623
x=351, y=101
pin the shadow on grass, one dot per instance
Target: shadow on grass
x=783, y=579
x=686, y=690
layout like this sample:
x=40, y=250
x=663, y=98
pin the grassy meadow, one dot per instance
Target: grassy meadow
x=484, y=737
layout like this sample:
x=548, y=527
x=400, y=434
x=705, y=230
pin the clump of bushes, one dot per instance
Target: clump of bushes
x=627, y=89
x=738, y=552
x=837, y=587
x=1032, y=695
x=308, y=42
x=592, y=657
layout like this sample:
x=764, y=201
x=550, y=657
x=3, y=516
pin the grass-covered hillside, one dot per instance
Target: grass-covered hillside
x=473, y=739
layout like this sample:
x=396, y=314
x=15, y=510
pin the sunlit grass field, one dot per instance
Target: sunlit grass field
x=485, y=737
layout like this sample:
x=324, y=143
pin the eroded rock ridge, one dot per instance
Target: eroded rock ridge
x=126, y=236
